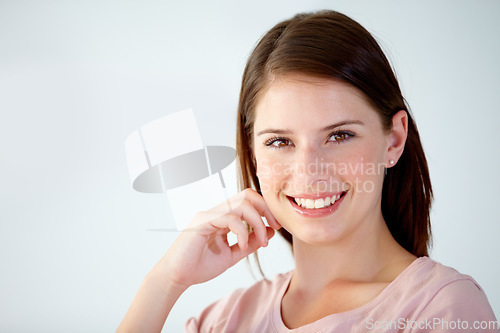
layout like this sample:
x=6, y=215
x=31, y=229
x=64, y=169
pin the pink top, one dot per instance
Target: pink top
x=426, y=296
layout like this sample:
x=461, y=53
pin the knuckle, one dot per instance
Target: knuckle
x=200, y=215
x=245, y=204
x=248, y=192
x=233, y=218
x=234, y=221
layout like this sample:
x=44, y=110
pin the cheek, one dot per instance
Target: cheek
x=270, y=173
x=366, y=166
x=363, y=171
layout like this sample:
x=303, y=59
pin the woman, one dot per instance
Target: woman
x=330, y=156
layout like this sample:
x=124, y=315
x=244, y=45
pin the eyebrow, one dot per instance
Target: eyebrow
x=324, y=129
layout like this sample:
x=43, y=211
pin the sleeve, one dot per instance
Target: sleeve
x=215, y=317
x=460, y=306
x=206, y=321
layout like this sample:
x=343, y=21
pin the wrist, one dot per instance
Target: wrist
x=162, y=278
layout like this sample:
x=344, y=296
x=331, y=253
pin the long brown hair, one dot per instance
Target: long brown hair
x=331, y=45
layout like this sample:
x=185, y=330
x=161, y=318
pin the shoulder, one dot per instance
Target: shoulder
x=446, y=294
x=258, y=293
x=240, y=305
x=438, y=279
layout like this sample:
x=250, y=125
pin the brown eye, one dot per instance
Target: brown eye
x=341, y=136
x=281, y=143
x=278, y=143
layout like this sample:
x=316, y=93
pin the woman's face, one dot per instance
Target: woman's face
x=320, y=152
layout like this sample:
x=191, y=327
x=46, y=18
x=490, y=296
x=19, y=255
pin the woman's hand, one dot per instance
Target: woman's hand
x=199, y=254
x=202, y=251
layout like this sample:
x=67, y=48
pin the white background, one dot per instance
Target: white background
x=76, y=77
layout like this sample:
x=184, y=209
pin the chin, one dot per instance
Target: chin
x=317, y=232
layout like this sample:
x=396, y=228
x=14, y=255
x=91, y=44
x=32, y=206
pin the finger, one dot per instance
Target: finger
x=246, y=195
x=273, y=223
x=261, y=206
x=249, y=214
x=253, y=245
x=236, y=225
x=244, y=211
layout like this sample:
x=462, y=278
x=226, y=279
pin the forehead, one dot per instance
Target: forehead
x=299, y=101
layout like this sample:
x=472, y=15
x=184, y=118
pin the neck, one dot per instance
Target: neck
x=369, y=256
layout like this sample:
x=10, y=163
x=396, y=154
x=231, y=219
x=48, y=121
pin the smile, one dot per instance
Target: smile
x=317, y=207
x=318, y=203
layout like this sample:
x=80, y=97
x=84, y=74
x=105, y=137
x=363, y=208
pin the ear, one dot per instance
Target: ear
x=397, y=137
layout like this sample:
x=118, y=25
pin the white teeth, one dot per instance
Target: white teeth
x=318, y=203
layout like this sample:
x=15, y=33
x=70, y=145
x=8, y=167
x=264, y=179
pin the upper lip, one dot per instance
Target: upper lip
x=315, y=196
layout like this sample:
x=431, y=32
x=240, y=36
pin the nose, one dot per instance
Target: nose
x=310, y=167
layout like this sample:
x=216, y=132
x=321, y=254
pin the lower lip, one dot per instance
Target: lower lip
x=317, y=212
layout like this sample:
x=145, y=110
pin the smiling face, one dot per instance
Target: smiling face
x=320, y=152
